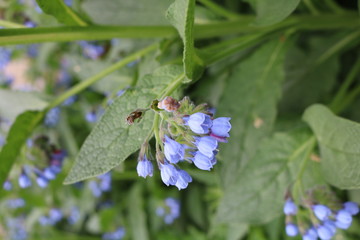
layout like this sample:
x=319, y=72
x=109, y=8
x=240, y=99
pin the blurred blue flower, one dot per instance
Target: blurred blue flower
x=5, y=57
x=15, y=203
x=52, y=117
x=74, y=215
x=16, y=228
x=118, y=234
x=24, y=180
x=7, y=185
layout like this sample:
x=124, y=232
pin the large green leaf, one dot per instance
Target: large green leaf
x=272, y=11
x=303, y=86
x=19, y=132
x=250, y=98
x=339, y=146
x=61, y=12
x=112, y=139
x=124, y=12
x=13, y=103
x=181, y=14
x=257, y=196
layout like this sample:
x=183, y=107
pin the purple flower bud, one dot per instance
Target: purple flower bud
x=322, y=212
x=324, y=233
x=183, y=179
x=206, y=145
x=291, y=230
x=7, y=185
x=203, y=162
x=95, y=189
x=290, y=207
x=310, y=234
x=91, y=117
x=174, y=151
x=42, y=181
x=145, y=168
x=105, y=183
x=351, y=207
x=52, y=117
x=169, y=174
x=24, y=180
x=330, y=225
x=49, y=174
x=55, y=215
x=221, y=127
x=344, y=217
x=199, y=123
x=74, y=215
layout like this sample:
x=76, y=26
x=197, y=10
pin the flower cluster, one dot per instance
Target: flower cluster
x=191, y=134
x=102, y=184
x=170, y=211
x=43, y=175
x=54, y=216
x=323, y=223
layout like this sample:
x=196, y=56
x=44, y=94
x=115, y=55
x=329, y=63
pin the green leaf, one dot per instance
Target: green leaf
x=137, y=214
x=339, y=146
x=112, y=139
x=250, y=99
x=273, y=11
x=302, y=87
x=19, y=132
x=13, y=103
x=61, y=12
x=124, y=12
x=181, y=15
x=257, y=196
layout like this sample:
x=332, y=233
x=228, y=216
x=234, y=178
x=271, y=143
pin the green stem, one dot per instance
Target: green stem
x=172, y=86
x=157, y=132
x=333, y=6
x=215, y=29
x=346, y=41
x=7, y=24
x=310, y=5
x=349, y=99
x=219, y=10
x=345, y=86
x=88, y=82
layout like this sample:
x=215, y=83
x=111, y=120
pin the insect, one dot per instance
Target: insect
x=137, y=114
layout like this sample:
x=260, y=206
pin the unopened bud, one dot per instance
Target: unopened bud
x=169, y=104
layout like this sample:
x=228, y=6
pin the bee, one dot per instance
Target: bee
x=137, y=114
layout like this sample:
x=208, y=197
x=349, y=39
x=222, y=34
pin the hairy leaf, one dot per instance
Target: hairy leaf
x=250, y=99
x=112, y=139
x=13, y=103
x=306, y=82
x=181, y=15
x=273, y=11
x=23, y=126
x=339, y=146
x=61, y=12
x=257, y=196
